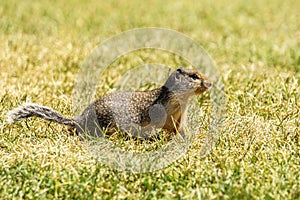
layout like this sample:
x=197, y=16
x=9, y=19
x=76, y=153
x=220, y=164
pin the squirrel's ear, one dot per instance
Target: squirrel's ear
x=178, y=73
x=179, y=70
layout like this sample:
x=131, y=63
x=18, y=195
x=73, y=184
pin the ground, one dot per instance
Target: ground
x=256, y=48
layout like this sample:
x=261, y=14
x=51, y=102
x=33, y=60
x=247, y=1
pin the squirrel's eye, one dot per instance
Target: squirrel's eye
x=194, y=76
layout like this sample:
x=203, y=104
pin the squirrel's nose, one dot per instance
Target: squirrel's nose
x=207, y=83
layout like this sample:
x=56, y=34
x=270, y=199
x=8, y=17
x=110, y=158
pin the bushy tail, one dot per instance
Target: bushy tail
x=31, y=109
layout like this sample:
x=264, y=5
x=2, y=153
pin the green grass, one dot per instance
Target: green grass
x=256, y=47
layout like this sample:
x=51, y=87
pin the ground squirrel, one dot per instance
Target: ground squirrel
x=133, y=112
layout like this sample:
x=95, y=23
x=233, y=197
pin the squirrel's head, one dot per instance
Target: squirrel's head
x=187, y=81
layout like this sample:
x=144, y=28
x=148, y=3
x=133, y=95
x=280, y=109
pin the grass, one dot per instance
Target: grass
x=256, y=48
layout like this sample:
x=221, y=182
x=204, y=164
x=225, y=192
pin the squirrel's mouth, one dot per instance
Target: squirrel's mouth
x=206, y=84
x=200, y=90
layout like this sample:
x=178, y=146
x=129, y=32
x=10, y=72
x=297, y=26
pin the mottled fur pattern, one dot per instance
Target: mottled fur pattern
x=129, y=111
